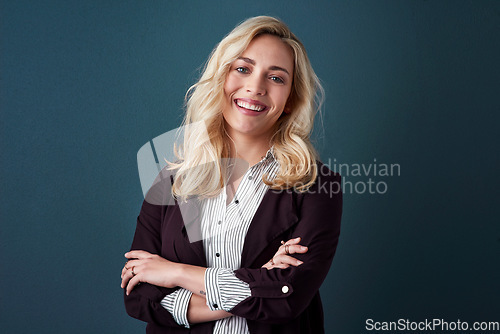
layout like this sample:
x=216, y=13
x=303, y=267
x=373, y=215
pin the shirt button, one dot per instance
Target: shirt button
x=285, y=289
x=219, y=222
x=250, y=177
x=236, y=201
x=215, y=306
x=217, y=254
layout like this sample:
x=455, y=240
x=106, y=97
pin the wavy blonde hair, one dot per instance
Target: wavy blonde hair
x=200, y=170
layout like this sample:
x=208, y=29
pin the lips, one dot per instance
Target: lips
x=251, y=105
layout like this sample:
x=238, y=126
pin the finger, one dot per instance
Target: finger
x=135, y=263
x=267, y=265
x=270, y=265
x=130, y=274
x=292, y=249
x=293, y=241
x=134, y=266
x=297, y=249
x=132, y=283
x=126, y=278
x=138, y=254
x=288, y=260
x=284, y=245
x=125, y=267
x=279, y=266
x=124, y=270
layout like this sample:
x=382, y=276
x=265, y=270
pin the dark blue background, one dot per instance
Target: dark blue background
x=84, y=84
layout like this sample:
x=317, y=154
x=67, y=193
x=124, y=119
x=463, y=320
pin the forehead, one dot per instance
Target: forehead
x=270, y=50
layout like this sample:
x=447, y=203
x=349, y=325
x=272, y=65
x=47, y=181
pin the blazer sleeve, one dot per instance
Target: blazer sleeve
x=144, y=301
x=279, y=295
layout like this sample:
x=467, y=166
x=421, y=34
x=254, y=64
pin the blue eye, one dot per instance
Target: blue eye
x=277, y=80
x=242, y=69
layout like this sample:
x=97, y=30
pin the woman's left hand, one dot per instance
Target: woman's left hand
x=148, y=268
x=282, y=258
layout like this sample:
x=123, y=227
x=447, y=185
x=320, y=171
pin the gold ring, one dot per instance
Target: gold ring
x=286, y=249
x=133, y=274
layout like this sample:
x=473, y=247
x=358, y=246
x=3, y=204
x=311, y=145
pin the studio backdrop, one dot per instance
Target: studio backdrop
x=410, y=120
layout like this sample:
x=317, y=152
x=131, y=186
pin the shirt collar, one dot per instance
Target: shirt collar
x=269, y=155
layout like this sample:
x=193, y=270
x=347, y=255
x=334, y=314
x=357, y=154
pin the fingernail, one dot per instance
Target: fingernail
x=299, y=262
x=303, y=247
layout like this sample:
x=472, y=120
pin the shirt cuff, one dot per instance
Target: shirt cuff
x=224, y=289
x=177, y=304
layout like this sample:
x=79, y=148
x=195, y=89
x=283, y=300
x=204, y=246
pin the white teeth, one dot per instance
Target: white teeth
x=247, y=105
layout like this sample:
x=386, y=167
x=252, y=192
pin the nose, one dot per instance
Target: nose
x=256, y=84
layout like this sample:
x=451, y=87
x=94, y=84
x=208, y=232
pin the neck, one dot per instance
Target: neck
x=249, y=148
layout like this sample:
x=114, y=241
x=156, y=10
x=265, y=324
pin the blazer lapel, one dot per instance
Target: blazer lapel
x=190, y=213
x=276, y=214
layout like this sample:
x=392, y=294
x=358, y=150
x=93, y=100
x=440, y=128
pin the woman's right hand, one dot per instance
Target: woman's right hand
x=282, y=258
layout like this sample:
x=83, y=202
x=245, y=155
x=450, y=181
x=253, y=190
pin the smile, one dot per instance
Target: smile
x=250, y=105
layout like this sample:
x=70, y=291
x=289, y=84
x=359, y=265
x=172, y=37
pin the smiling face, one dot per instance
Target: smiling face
x=257, y=87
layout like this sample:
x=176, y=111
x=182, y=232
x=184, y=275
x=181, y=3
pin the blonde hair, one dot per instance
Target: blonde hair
x=200, y=171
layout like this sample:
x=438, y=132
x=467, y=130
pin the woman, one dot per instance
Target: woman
x=215, y=260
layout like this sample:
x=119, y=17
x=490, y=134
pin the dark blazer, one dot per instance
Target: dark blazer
x=283, y=300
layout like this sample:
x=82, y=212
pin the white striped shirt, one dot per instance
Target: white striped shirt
x=224, y=228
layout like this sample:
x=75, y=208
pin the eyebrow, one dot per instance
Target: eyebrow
x=274, y=68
